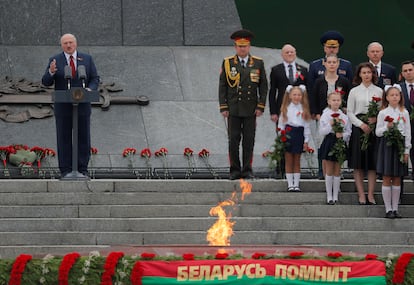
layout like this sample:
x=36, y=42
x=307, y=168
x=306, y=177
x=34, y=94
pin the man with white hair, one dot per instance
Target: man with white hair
x=386, y=72
x=289, y=72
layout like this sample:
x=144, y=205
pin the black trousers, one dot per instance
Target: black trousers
x=241, y=128
x=63, y=117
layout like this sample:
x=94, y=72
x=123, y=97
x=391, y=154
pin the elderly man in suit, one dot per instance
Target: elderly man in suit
x=242, y=98
x=286, y=73
x=55, y=74
x=386, y=72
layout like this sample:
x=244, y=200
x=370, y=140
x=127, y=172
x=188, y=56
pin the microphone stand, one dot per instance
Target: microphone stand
x=75, y=174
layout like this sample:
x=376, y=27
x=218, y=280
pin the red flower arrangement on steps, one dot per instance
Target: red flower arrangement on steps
x=401, y=267
x=110, y=266
x=18, y=267
x=66, y=265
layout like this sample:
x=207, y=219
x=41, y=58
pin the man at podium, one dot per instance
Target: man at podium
x=70, y=60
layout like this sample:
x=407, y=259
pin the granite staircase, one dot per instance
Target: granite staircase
x=50, y=216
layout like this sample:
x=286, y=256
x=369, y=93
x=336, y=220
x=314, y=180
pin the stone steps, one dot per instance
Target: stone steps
x=50, y=216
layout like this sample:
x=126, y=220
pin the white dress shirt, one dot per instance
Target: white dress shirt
x=295, y=119
x=403, y=125
x=358, y=101
x=325, y=126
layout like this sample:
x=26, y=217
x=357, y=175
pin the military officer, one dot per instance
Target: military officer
x=331, y=42
x=242, y=98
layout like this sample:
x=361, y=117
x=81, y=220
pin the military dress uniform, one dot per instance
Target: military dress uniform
x=242, y=90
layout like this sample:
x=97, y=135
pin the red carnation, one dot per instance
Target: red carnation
x=389, y=119
x=371, y=256
x=258, y=255
x=188, y=151
x=283, y=139
x=94, y=150
x=296, y=254
x=147, y=255
x=334, y=254
x=335, y=115
x=188, y=256
x=222, y=255
x=376, y=99
x=128, y=151
x=288, y=129
x=204, y=153
x=146, y=152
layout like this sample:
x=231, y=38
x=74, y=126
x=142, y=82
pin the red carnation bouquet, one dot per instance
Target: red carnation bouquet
x=394, y=137
x=373, y=109
x=339, y=149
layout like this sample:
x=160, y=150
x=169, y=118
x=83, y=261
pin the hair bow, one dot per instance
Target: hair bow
x=301, y=87
x=386, y=87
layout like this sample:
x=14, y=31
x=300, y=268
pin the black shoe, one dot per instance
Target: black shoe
x=291, y=189
x=389, y=215
x=397, y=215
x=371, y=202
x=297, y=189
x=247, y=175
x=330, y=202
x=234, y=176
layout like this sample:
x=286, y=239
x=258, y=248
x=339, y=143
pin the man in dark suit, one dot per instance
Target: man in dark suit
x=279, y=79
x=386, y=72
x=407, y=87
x=331, y=42
x=242, y=98
x=55, y=74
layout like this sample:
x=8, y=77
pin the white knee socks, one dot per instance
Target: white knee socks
x=386, y=196
x=396, y=190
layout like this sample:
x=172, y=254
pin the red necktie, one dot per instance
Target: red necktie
x=72, y=66
x=411, y=94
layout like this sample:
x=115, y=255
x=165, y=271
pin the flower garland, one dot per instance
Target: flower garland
x=45, y=268
x=110, y=266
x=137, y=272
x=400, y=267
x=49, y=269
x=67, y=262
x=18, y=267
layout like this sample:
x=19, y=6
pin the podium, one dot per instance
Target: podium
x=75, y=96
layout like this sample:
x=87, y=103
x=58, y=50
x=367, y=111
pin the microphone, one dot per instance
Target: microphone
x=68, y=74
x=82, y=74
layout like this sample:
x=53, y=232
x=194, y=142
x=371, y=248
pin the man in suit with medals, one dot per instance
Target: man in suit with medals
x=386, y=72
x=55, y=74
x=286, y=73
x=242, y=98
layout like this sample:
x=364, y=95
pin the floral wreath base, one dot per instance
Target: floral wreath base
x=117, y=268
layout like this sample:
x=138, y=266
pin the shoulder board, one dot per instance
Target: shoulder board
x=316, y=61
x=229, y=57
x=344, y=60
x=256, y=57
